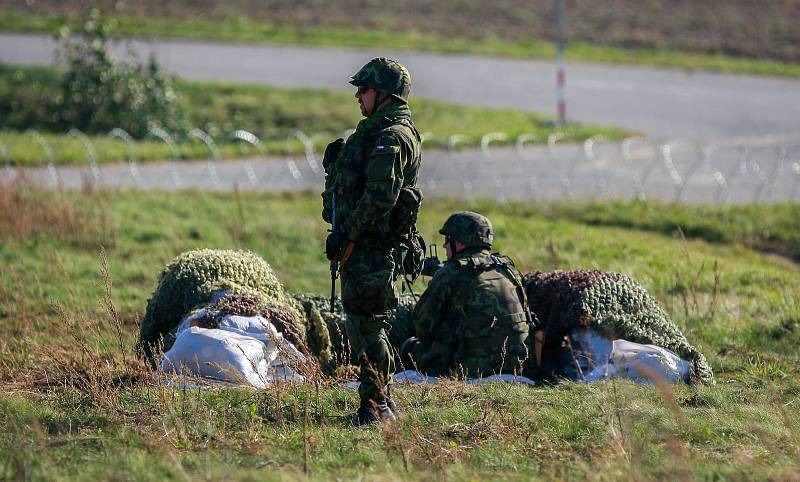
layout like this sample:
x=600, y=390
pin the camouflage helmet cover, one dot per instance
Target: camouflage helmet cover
x=469, y=228
x=385, y=75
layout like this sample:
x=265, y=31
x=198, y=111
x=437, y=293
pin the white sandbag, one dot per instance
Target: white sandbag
x=232, y=348
x=259, y=328
x=221, y=355
x=594, y=357
x=255, y=326
x=648, y=363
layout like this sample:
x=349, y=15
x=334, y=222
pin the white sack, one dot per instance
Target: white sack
x=644, y=363
x=599, y=357
x=241, y=350
x=220, y=355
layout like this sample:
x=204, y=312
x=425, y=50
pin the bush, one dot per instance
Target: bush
x=99, y=92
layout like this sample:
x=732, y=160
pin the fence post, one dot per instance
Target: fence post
x=519, y=145
x=466, y=183
x=48, y=151
x=6, y=159
x=499, y=185
x=90, y=151
x=560, y=71
x=163, y=135
x=133, y=168
x=601, y=181
x=253, y=140
x=213, y=155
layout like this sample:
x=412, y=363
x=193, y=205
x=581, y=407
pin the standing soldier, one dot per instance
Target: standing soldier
x=371, y=201
x=473, y=319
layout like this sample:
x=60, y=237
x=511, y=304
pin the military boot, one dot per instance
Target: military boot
x=390, y=401
x=372, y=411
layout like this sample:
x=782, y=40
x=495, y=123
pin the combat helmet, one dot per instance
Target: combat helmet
x=385, y=75
x=469, y=228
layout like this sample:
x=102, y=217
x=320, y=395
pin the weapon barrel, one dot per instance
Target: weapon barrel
x=334, y=260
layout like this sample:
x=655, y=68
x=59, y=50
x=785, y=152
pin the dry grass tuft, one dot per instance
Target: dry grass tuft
x=28, y=210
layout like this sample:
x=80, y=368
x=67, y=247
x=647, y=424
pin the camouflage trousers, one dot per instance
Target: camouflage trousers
x=368, y=294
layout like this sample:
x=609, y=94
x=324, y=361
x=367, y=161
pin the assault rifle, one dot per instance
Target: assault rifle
x=334, y=260
x=339, y=259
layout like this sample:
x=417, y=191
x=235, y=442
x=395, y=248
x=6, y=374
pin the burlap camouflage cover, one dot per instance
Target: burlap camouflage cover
x=612, y=303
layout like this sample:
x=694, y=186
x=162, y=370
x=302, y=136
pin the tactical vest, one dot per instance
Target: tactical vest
x=494, y=317
x=350, y=183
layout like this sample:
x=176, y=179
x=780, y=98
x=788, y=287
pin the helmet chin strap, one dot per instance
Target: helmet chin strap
x=380, y=100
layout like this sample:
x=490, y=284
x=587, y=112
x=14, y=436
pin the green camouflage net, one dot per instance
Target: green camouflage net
x=613, y=304
x=317, y=312
x=563, y=300
x=189, y=281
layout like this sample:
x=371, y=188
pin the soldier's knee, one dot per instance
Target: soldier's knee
x=410, y=353
x=378, y=349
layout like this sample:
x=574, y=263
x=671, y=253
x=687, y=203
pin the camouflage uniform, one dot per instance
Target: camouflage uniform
x=473, y=318
x=379, y=159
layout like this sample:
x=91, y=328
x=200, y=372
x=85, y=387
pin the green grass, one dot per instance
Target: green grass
x=241, y=29
x=271, y=113
x=772, y=230
x=68, y=413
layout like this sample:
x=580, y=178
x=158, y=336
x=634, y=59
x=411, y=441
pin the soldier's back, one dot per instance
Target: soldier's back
x=493, y=324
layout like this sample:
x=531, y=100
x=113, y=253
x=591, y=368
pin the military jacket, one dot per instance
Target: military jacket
x=473, y=318
x=380, y=158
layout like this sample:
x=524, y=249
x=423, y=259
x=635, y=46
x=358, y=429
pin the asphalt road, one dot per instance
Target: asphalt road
x=664, y=104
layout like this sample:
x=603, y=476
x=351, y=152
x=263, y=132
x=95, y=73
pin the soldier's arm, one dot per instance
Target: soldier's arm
x=383, y=179
x=434, y=305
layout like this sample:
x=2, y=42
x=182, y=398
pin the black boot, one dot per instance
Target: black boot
x=390, y=401
x=372, y=411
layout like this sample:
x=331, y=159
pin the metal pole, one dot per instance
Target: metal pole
x=562, y=105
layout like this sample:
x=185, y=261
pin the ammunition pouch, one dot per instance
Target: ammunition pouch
x=403, y=225
x=411, y=252
x=403, y=218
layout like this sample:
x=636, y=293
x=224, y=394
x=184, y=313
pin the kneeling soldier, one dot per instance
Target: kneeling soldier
x=473, y=319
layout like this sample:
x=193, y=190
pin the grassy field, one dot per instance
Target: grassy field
x=271, y=113
x=76, y=405
x=747, y=37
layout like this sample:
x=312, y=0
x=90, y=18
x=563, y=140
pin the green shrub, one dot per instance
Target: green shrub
x=99, y=92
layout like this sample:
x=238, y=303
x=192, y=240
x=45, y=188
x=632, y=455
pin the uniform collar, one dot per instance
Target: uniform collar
x=387, y=114
x=472, y=251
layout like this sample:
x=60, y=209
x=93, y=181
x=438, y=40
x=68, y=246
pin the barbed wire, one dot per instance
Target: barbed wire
x=503, y=167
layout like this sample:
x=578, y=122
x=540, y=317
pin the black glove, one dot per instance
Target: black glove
x=430, y=266
x=332, y=153
x=336, y=240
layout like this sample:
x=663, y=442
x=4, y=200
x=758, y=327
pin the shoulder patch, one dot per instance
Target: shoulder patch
x=386, y=149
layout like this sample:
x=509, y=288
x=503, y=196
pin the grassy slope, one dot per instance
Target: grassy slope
x=271, y=113
x=636, y=34
x=739, y=307
x=772, y=230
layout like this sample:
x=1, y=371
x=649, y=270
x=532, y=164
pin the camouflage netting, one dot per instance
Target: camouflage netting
x=612, y=303
x=563, y=300
x=317, y=309
x=189, y=281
